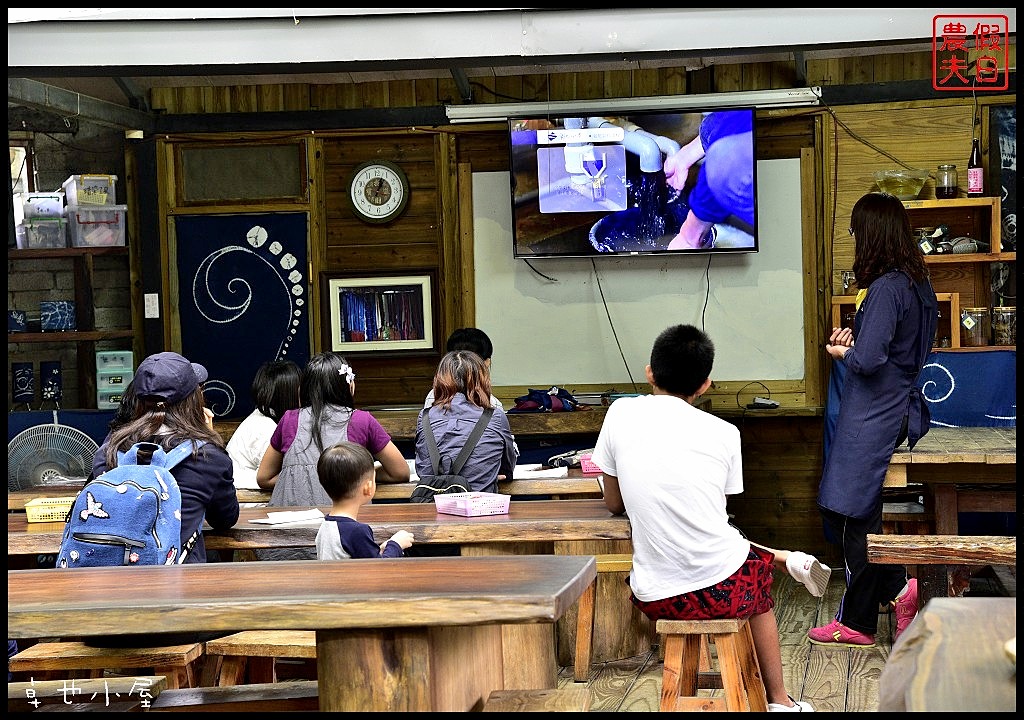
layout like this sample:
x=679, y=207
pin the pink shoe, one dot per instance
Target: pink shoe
x=837, y=634
x=905, y=605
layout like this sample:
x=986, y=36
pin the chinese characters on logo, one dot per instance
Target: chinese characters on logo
x=70, y=692
x=970, y=52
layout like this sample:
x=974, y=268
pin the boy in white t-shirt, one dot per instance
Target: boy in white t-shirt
x=670, y=466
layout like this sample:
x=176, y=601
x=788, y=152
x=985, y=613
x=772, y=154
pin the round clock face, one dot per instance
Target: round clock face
x=379, y=191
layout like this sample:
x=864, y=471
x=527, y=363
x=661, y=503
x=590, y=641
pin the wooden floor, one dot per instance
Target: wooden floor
x=831, y=679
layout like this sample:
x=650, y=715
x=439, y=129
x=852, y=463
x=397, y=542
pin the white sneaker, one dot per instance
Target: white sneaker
x=798, y=706
x=808, y=571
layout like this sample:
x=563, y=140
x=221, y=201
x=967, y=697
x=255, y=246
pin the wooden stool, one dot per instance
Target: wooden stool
x=53, y=660
x=570, y=698
x=738, y=672
x=257, y=651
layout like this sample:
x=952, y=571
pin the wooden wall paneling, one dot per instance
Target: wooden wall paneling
x=295, y=97
x=190, y=99
x=447, y=91
x=244, y=99
x=757, y=76
x=395, y=380
x=646, y=82
x=918, y=66
x=425, y=92
x=508, y=88
x=402, y=93
x=466, y=315
x=455, y=279
x=485, y=147
x=220, y=99
x=728, y=78
x=886, y=68
x=373, y=94
x=784, y=74
x=270, y=98
x=166, y=171
x=562, y=86
x=317, y=238
x=781, y=468
x=618, y=83
x=674, y=81
x=536, y=87
x=323, y=96
x=590, y=85
x=920, y=134
x=816, y=327
x=348, y=97
x=859, y=69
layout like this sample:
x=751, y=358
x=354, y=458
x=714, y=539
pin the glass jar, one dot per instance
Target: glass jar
x=946, y=182
x=1004, y=325
x=975, y=327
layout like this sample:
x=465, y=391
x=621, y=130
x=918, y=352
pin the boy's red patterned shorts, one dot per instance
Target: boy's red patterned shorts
x=744, y=593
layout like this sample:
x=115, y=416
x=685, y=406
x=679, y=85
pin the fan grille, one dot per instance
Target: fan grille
x=50, y=454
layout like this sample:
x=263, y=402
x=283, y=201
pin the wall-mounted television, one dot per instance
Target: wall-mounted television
x=600, y=184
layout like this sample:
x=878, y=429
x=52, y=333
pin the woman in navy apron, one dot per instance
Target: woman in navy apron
x=880, y=407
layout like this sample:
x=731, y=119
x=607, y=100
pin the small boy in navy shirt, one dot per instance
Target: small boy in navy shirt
x=346, y=472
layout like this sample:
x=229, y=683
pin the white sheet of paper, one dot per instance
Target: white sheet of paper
x=291, y=516
x=531, y=470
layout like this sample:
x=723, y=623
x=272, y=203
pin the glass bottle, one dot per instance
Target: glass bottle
x=945, y=182
x=975, y=172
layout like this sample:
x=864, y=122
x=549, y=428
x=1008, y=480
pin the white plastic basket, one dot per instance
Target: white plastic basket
x=472, y=503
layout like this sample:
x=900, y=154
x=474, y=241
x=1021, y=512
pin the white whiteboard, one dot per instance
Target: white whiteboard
x=557, y=333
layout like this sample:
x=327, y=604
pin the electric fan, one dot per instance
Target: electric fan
x=50, y=454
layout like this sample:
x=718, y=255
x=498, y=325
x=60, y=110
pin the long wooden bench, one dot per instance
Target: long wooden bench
x=945, y=562
x=292, y=696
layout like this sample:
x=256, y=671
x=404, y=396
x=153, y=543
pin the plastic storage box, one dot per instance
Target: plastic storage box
x=472, y=503
x=90, y=189
x=113, y=379
x=43, y=204
x=588, y=467
x=44, y=233
x=114, y=360
x=97, y=225
x=109, y=399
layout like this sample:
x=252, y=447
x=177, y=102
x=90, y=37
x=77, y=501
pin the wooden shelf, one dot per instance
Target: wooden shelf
x=85, y=338
x=18, y=254
x=971, y=258
x=69, y=336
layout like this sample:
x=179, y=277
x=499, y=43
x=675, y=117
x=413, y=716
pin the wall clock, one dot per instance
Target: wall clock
x=378, y=191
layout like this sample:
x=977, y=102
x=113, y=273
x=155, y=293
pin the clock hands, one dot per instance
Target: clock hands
x=378, y=191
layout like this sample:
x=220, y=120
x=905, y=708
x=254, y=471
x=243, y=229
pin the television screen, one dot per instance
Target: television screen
x=649, y=182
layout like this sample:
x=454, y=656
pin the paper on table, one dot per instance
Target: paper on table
x=290, y=516
x=536, y=470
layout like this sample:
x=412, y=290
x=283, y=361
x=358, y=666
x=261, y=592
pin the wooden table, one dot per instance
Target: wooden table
x=546, y=527
x=400, y=635
x=951, y=659
x=576, y=485
x=958, y=466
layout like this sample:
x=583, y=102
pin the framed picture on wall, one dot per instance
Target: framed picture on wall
x=378, y=313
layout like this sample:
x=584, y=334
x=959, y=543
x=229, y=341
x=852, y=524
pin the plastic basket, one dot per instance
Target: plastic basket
x=48, y=509
x=472, y=503
x=588, y=467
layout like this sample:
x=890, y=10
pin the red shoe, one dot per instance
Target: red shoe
x=837, y=634
x=905, y=605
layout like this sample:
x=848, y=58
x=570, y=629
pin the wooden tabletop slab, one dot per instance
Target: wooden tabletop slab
x=952, y=659
x=296, y=595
